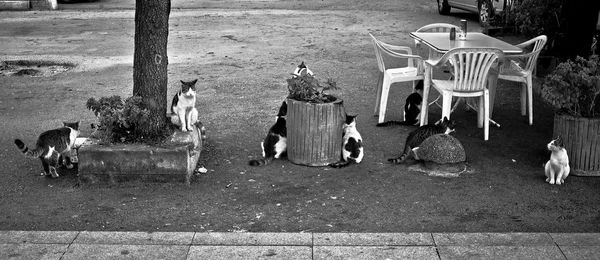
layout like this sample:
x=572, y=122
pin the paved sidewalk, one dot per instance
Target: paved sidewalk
x=195, y=245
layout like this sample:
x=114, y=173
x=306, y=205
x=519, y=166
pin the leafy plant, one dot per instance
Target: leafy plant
x=307, y=88
x=574, y=87
x=538, y=17
x=123, y=122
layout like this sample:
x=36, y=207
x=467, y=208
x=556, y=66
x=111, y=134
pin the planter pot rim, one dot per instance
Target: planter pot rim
x=336, y=101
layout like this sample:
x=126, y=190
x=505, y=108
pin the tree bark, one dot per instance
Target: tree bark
x=150, y=59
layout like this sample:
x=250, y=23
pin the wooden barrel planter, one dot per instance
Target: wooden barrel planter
x=314, y=132
x=581, y=138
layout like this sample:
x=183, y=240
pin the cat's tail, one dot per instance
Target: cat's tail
x=260, y=162
x=341, y=163
x=35, y=153
x=391, y=123
x=201, y=130
x=399, y=159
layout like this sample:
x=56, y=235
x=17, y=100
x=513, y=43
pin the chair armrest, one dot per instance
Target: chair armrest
x=396, y=48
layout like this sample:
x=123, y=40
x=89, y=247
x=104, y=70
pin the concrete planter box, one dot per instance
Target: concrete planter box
x=176, y=159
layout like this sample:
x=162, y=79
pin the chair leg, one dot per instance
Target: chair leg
x=486, y=115
x=481, y=112
x=523, y=99
x=425, y=102
x=378, y=97
x=530, y=99
x=446, y=105
x=385, y=89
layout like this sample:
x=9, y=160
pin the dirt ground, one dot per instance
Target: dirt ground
x=242, y=52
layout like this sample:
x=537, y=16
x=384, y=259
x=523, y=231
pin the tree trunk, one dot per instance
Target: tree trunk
x=150, y=59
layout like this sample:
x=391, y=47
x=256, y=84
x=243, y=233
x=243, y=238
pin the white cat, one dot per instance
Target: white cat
x=183, y=106
x=558, y=165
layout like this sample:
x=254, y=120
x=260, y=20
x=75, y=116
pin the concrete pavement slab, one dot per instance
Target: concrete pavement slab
x=32, y=251
x=135, y=238
x=576, y=239
x=581, y=252
x=500, y=252
x=372, y=239
x=250, y=252
x=38, y=237
x=371, y=252
x=95, y=251
x=216, y=238
x=493, y=239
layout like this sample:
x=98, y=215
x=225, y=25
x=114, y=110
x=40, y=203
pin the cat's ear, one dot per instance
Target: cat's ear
x=194, y=82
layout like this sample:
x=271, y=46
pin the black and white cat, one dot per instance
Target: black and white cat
x=417, y=136
x=300, y=69
x=557, y=168
x=412, y=108
x=53, y=147
x=275, y=144
x=352, y=147
x=183, y=108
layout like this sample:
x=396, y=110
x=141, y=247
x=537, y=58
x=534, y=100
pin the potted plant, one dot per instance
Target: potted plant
x=122, y=146
x=314, y=122
x=573, y=89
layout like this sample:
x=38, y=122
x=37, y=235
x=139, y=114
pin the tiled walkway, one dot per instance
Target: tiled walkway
x=192, y=245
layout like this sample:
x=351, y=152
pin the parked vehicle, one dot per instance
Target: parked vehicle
x=485, y=8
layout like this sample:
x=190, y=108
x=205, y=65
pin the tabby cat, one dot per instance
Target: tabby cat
x=557, y=168
x=53, y=147
x=416, y=137
x=183, y=108
x=352, y=148
x=412, y=108
x=275, y=144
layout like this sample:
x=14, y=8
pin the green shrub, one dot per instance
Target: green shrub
x=574, y=87
x=307, y=88
x=537, y=17
x=123, y=122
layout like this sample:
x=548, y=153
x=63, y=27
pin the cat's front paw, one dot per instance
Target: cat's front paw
x=183, y=129
x=552, y=181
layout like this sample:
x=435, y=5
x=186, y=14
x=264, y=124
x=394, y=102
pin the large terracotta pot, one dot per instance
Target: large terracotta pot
x=314, y=132
x=581, y=138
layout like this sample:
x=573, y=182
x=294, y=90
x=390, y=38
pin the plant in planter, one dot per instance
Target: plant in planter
x=124, y=122
x=314, y=122
x=573, y=89
x=127, y=146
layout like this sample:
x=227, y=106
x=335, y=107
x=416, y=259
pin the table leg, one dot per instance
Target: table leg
x=425, y=102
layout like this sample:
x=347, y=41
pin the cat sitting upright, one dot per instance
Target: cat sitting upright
x=184, y=106
x=352, y=147
x=412, y=108
x=558, y=165
x=275, y=144
x=53, y=147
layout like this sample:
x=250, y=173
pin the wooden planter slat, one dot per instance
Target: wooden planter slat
x=582, y=140
x=314, y=132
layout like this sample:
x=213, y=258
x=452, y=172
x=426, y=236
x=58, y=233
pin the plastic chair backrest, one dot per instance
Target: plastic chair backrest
x=538, y=45
x=390, y=50
x=437, y=27
x=471, y=66
x=380, y=63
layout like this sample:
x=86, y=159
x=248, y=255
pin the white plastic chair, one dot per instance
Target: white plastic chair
x=520, y=68
x=412, y=71
x=470, y=69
